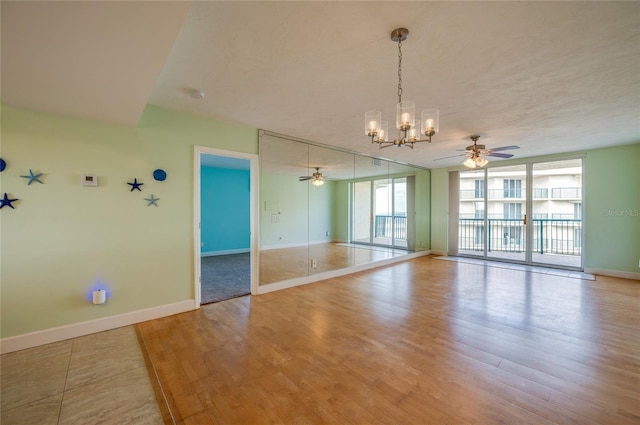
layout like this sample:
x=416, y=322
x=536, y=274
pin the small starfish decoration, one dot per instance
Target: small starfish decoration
x=6, y=202
x=152, y=200
x=32, y=177
x=135, y=185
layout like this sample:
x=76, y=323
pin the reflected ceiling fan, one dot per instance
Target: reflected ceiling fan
x=317, y=179
x=477, y=153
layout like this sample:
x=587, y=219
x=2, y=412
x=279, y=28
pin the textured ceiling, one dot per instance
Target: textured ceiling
x=551, y=77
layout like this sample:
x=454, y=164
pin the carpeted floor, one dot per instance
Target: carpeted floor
x=225, y=277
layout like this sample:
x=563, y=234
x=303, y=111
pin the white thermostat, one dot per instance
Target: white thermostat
x=89, y=180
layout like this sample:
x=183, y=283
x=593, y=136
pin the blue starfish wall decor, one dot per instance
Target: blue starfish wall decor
x=6, y=202
x=135, y=185
x=32, y=177
x=152, y=200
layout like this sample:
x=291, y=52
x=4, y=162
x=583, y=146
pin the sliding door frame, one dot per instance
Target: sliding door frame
x=454, y=208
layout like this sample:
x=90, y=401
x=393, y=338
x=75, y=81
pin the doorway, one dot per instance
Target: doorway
x=526, y=213
x=225, y=248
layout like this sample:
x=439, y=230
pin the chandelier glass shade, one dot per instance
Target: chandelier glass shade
x=410, y=130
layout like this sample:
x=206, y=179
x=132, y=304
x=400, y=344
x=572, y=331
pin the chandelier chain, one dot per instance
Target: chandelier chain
x=400, y=71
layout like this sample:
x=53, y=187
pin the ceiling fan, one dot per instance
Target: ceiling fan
x=477, y=153
x=316, y=178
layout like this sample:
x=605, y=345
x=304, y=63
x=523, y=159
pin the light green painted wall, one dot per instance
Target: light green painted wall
x=423, y=210
x=439, y=209
x=304, y=212
x=611, y=207
x=62, y=239
x=341, y=212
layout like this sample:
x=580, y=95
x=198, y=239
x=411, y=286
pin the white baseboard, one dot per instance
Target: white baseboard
x=46, y=336
x=290, y=283
x=613, y=273
x=294, y=245
x=225, y=252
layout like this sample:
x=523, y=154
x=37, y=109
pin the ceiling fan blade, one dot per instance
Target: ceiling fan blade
x=447, y=157
x=499, y=155
x=303, y=178
x=504, y=148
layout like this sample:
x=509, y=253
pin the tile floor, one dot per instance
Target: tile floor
x=95, y=379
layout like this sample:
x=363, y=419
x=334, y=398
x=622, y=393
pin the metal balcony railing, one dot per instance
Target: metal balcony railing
x=556, y=236
x=387, y=225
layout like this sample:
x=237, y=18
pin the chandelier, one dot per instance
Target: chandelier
x=409, y=131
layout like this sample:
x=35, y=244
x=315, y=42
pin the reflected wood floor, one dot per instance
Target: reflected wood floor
x=419, y=342
x=288, y=263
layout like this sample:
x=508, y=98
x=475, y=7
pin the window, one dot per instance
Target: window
x=479, y=189
x=577, y=211
x=512, y=211
x=512, y=188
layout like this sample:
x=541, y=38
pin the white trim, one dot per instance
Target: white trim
x=225, y=252
x=254, y=219
x=613, y=273
x=296, y=245
x=438, y=252
x=60, y=333
x=290, y=283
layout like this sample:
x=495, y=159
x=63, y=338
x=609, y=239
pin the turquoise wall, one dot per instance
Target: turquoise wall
x=225, y=205
x=611, y=207
x=63, y=239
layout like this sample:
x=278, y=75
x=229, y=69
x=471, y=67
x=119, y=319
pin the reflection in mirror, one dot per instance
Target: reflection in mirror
x=324, y=209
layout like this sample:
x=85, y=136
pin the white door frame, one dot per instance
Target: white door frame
x=254, y=190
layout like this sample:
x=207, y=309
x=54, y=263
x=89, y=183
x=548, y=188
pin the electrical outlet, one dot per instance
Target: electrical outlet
x=301, y=265
x=314, y=263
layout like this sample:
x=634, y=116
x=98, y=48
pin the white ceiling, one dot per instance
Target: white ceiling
x=551, y=77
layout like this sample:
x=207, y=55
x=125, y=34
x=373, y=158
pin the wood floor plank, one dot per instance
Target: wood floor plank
x=423, y=341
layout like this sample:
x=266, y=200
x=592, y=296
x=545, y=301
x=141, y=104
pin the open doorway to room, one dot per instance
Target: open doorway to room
x=224, y=213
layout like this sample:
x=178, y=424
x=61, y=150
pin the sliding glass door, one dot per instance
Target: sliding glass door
x=529, y=213
x=380, y=212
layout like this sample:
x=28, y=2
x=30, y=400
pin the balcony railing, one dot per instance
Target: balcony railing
x=387, y=225
x=538, y=193
x=556, y=236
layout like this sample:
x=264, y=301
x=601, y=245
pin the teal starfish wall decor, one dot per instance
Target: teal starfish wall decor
x=33, y=177
x=152, y=200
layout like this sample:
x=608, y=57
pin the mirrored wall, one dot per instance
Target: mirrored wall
x=324, y=209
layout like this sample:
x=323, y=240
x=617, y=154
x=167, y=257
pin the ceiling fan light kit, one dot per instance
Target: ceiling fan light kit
x=409, y=132
x=317, y=179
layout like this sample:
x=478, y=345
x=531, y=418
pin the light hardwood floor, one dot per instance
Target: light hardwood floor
x=420, y=342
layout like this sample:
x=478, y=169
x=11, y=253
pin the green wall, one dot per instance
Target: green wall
x=63, y=239
x=611, y=207
x=303, y=213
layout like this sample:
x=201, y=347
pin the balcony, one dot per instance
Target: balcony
x=550, y=236
x=566, y=193
x=387, y=226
